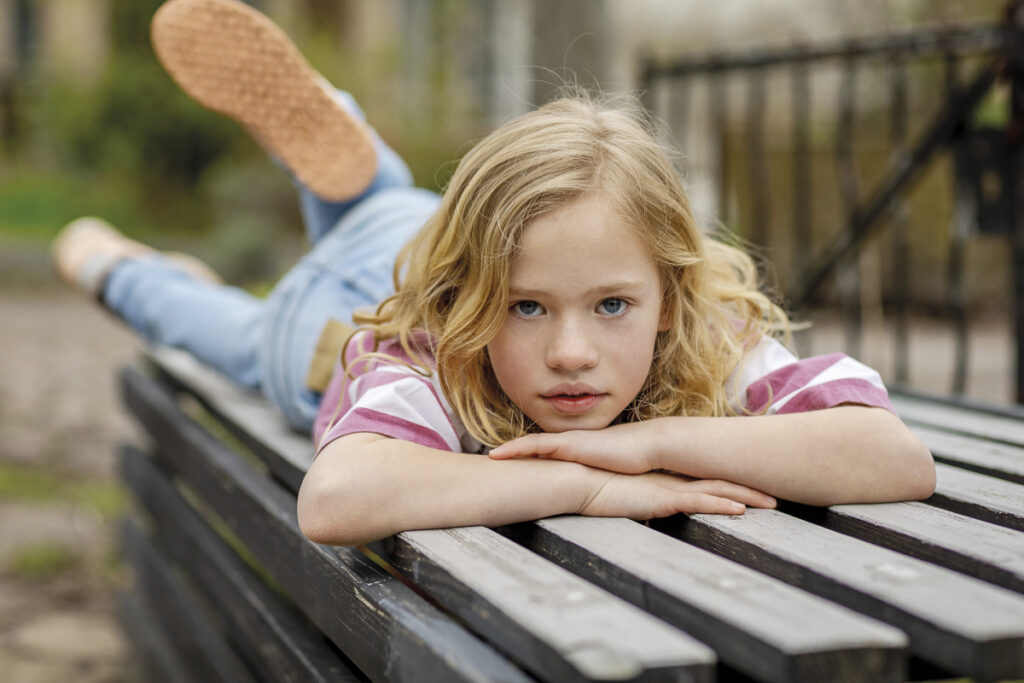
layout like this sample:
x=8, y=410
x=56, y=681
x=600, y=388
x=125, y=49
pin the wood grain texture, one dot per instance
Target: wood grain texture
x=980, y=496
x=996, y=459
x=552, y=622
x=274, y=639
x=152, y=648
x=382, y=626
x=198, y=643
x=959, y=419
x=757, y=624
x=246, y=414
x=967, y=545
x=963, y=624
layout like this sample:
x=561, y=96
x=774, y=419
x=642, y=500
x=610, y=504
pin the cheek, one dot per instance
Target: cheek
x=506, y=358
x=636, y=366
x=635, y=359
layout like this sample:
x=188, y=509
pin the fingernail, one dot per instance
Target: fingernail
x=738, y=508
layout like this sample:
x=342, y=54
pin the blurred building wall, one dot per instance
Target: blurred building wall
x=64, y=37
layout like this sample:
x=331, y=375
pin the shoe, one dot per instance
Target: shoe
x=86, y=251
x=234, y=60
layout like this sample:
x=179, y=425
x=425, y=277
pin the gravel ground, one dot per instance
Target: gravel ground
x=60, y=419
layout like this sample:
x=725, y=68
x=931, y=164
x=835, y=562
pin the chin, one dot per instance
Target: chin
x=556, y=426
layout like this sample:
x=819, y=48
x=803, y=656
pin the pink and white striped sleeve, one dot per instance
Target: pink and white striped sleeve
x=771, y=380
x=388, y=399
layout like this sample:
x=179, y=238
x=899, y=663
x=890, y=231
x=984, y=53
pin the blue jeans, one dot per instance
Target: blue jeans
x=268, y=343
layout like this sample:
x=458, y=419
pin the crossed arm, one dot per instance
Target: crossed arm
x=365, y=486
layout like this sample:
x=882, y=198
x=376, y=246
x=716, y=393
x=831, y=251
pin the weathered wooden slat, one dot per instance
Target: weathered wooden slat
x=246, y=414
x=959, y=419
x=283, y=647
x=973, y=453
x=199, y=645
x=960, y=623
x=552, y=653
x=154, y=655
x=980, y=496
x=557, y=625
x=985, y=551
x=381, y=625
x=757, y=624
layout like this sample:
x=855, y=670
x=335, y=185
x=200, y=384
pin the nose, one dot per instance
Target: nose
x=571, y=348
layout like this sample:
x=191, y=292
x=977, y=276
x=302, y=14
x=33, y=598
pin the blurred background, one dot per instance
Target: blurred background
x=864, y=150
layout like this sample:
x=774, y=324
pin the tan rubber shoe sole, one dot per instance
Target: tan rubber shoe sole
x=235, y=61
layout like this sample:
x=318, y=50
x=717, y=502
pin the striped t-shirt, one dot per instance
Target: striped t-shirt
x=387, y=397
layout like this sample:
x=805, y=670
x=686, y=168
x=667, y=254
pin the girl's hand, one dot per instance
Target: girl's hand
x=654, y=494
x=619, y=448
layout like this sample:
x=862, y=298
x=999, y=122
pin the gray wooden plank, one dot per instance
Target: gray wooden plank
x=951, y=418
x=246, y=414
x=970, y=546
x=382, y=626
x=757, y=624
x=153, y=652
x=258, y=622
x=199, y=644
x=977, y=495
x=958, y=622
x=973, y=453
x=552, y=622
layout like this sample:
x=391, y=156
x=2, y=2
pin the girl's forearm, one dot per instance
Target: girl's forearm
x=824, y=457
x=364, y=487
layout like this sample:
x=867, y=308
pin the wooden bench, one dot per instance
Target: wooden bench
x=227, y=588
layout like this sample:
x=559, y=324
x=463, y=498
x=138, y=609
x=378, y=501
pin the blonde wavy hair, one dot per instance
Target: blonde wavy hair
x=452, y=279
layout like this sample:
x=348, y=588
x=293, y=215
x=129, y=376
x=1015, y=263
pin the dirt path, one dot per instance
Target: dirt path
x=59, y=419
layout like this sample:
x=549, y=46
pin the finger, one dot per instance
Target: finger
x=705, y=503
x=537, y=445
x=736, y=492
x=504, y=451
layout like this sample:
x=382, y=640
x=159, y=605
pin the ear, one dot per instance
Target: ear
x=663, y=321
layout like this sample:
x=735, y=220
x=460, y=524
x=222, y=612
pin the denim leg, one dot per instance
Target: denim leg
x=320, y=216
x=220, y=325
x=348, y=269
x=269, y=343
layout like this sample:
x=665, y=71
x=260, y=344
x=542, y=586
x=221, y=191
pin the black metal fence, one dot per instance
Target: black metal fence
x=947, y=97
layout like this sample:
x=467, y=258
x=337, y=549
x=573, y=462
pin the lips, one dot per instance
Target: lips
x=573, y=399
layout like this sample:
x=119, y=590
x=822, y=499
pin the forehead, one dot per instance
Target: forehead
x=584, y=240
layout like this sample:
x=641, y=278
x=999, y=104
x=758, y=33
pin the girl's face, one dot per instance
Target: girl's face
x=584, y=311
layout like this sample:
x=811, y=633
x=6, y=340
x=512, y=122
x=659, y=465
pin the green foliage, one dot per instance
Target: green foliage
x=35, y=204
x=132, y=134
x=132, y=148
x=136, y=124
x=994, y=110
x=41, y=561
x=43, y=485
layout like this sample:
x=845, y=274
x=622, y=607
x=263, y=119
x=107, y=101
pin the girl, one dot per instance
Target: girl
x=559, y=311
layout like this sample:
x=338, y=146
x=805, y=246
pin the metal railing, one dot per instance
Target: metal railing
x=969, y=66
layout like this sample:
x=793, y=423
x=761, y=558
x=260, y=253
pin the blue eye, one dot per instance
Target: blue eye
x=612, y=306
x=527, y=309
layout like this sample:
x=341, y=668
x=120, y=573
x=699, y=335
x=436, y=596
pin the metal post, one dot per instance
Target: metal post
x=900, y=221
x=757, y=162
x=848, y=274
x=1015, y=42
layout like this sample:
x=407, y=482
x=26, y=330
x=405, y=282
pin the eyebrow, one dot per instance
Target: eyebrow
x=610, y=288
